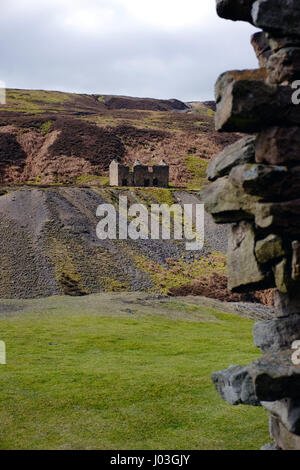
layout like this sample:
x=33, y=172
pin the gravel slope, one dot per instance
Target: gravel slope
x=48, y=245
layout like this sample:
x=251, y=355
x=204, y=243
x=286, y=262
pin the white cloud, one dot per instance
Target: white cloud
x=169, y=14
x=158, y=48
x=89, y=20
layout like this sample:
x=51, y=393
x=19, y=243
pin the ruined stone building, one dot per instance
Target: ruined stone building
x=141, y=175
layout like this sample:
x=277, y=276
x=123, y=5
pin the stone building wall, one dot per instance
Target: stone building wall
x=119, y=175
x=141, y=176
x=161, y=175
x=256, y=188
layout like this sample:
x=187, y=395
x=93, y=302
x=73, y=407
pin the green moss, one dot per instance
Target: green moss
x=150, y=196
x=197, y=168
x=71, y=282
x=164, y=196
x=39, y=180
x=89, y=179
x=180, y=272
x=37, y=101
x=46, y=126
x=113, y=285
x=210, y=112
x=67, y=276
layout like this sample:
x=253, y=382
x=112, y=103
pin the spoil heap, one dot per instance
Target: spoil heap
x=256, y=187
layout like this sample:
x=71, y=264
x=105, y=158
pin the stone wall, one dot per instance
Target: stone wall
x=256, y=188
x=141, y=176
x=119, y=175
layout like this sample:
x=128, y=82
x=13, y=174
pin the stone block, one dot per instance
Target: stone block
x=270, y=446
x=246, y=103
x=226, y=202
x=275, y=376
x=281, y=216
x=282, y=276
x=244, y=273
x=278, y=42
x=269, y=249
x=284, y=65
x=284, y=439
x=296, y=260
x=278, y=146
x=287, y=304
x=235, y=9
x=259, y=180
x=242, y=151
x=270, y=182
x=262, y=48
x=272, y=336
x=235, y=386
x=281, y=16
x=288, y=411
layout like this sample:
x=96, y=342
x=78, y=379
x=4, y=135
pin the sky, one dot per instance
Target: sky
x=145, y=48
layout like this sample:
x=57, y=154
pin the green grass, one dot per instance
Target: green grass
x=89, y=374
x=92, y=179
x=46, y=126
x=197, y=168
x=37, y=101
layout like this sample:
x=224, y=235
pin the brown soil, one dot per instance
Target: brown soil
x=215, y=287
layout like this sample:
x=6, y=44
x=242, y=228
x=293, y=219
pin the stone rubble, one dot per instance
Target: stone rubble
x=256, y=188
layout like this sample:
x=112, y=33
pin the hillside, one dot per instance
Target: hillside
x=53, y=138
x=49, y=246
x=55, y=150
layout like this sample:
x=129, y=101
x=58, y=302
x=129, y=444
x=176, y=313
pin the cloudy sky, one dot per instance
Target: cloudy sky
x=147, y=48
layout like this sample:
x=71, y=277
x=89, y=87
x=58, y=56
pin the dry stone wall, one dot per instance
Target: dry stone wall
x=256, y=188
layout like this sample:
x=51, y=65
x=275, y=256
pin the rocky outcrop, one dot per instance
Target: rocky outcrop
x=260, y=197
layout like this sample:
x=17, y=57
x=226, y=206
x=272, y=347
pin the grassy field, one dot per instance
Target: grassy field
x=122, y=371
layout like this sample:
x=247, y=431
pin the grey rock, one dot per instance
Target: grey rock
x=282, y=16
x=269, y=249
x=278, y=146
x=242, y=151
x=244, y=273
x=234, y=110
x=226, y=202
x=272, y=336
x=288, y=411
x=284, y=439
x=296, y=260
x=283, y=216
x=275, y=376
x=278, y=42
x=259, y=180
x=270, y=446
x=284, y=65
x=282, y=275
x=271, y=182
x=246, y=103
x=235, y=386
x=287, y=305
x=235, y=9
x=262, y=48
